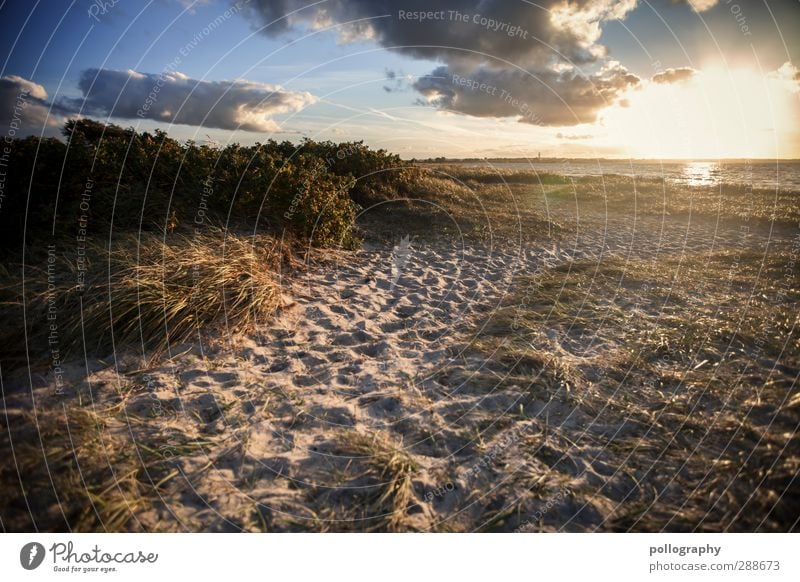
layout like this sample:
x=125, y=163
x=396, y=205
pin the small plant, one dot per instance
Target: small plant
x=390, y=470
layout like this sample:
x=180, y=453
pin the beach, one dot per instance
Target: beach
x=582, y=364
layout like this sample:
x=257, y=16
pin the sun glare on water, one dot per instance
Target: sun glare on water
x=700, y=173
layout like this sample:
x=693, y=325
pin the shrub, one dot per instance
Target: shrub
x=314, y=203
x=114, y=178
x=377, y=173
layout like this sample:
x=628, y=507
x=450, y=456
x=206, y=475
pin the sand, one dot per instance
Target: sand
x=377, y=342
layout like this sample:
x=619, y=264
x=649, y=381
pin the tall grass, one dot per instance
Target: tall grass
x=147, y=290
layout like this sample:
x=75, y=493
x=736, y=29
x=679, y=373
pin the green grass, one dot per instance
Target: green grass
x=616, y=193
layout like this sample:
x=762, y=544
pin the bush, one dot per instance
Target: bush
x=107, y=178
x=314, y=203
x=378, y=174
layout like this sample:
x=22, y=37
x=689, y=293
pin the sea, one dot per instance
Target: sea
x=767, y=174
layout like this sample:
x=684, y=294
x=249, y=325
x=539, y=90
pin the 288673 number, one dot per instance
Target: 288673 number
x=757, y=565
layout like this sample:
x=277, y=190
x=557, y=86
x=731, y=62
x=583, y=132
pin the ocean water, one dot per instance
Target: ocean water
x=783, y=174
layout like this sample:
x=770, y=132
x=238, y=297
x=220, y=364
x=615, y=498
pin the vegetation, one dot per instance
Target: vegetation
x=650, y=392
x=112, y=178
x=688, y=397
x=649, y=196
x=143, y=292
x=388, y=473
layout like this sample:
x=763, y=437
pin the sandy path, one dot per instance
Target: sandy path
x=359, y=350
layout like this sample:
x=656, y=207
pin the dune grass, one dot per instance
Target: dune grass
x=147, y=290
x=447, y=202
x=75, y=465
x=730, y=202
x=685, y=360
x=71, y=472
x=377, y=485
x=615, y=193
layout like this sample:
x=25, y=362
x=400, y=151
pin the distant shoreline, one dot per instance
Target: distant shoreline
x=614, y=160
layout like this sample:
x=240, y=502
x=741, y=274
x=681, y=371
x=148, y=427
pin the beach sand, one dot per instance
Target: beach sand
x=372, y=402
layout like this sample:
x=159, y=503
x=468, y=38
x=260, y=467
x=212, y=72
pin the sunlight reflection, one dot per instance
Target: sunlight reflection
x=700, y=173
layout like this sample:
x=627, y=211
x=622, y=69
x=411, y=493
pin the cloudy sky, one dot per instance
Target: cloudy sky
x=460, y=78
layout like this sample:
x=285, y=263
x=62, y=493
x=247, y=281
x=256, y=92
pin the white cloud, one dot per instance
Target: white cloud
x=699, y=5
x=789, y=76
x=24, y=108
x=176, y=98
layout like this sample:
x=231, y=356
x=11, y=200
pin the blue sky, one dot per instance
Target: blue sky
x=336, y=89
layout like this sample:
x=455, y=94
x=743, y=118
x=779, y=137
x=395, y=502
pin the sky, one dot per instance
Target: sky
x=457, y=78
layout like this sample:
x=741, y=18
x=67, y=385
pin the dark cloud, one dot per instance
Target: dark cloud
x=176, y=98
x=488, y=40
x=674, y=75
x=398, y=82
x=450, y=30
x=546, y=98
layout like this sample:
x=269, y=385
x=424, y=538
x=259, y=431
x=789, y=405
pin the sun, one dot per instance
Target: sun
x=718, y=113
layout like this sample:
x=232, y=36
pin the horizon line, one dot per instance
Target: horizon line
x=443, y=159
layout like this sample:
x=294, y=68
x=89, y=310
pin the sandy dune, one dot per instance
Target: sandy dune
x=255, y=432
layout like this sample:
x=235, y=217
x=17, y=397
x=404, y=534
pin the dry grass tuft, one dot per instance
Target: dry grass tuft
x=148, y=291
x=383, y=485
x=72, y=471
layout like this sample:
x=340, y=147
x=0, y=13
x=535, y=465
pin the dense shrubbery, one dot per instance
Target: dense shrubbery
x=378, y=174
x=92, y=213
x=105, y=176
